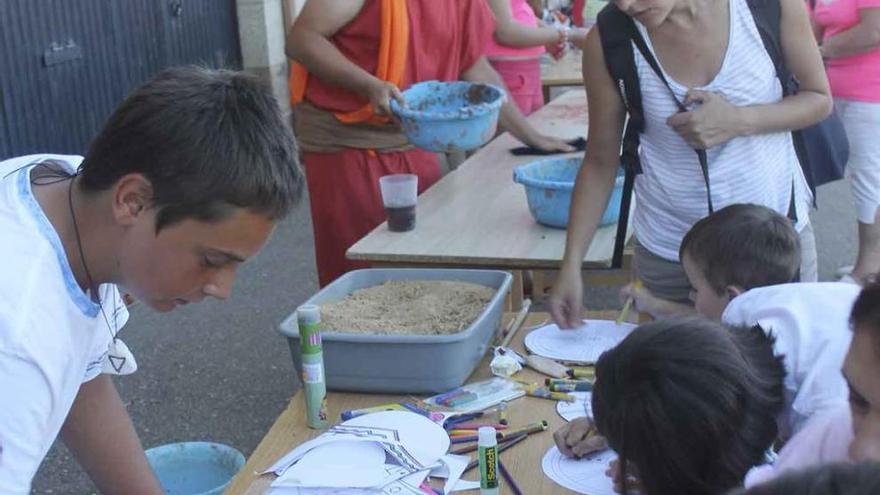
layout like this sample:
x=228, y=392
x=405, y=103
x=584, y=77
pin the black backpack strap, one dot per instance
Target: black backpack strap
x=649, y=57
x=767, y=15
x=617, y=51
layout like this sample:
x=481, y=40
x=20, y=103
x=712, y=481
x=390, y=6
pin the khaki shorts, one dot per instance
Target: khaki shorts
x=666, y=279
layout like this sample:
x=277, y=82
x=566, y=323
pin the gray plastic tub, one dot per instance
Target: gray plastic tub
x=404, y=364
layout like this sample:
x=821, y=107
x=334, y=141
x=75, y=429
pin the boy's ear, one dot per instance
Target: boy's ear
x=131, y=197
x=733, y=291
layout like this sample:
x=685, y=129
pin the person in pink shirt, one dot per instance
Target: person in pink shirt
x=517, y=45
x=848, y=433
x=849, y=35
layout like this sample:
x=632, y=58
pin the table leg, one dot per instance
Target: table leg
x=515, y=297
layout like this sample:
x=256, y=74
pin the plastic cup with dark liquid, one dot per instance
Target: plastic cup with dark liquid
x=399, y=193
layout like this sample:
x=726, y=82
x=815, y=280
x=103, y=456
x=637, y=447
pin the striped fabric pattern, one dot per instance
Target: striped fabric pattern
x=671, y=194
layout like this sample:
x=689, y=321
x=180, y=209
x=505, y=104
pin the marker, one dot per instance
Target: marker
x=502, y=413
x=543, y=393
x=564, y=381
x=585, y=372
x=353, y=413
x=572, y=387
x=525, y=430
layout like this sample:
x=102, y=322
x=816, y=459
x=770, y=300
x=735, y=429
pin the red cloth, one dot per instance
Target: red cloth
x=446, y=38
x=346, y=202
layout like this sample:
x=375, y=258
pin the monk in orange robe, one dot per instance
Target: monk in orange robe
x=353, y=57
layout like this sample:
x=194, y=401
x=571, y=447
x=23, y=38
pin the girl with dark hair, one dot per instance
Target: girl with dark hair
x=688, y=405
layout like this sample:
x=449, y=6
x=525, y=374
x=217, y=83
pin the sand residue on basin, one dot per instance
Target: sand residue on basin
x=408, y=307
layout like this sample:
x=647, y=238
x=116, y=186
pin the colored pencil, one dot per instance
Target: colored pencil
x=509, y=479
x=502, y=448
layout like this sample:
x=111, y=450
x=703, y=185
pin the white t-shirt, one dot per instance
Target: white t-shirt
x=811, y=324
x=760, y=169
x=53, y=337
x=825, y=439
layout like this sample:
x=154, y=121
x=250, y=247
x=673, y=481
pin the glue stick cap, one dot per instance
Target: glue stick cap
x=486, y=436
x=308, y=313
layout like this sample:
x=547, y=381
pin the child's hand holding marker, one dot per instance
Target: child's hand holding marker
x=579, y=438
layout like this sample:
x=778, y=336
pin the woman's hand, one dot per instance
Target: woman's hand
x=566, y=299
x=713, y=122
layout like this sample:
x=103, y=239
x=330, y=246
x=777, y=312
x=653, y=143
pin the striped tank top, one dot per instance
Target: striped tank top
x=759, y=169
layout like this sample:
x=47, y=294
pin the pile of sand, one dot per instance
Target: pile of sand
x=413, y=307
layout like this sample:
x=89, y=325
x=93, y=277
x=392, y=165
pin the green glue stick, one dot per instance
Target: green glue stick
x=314, y=386
x=487, y=444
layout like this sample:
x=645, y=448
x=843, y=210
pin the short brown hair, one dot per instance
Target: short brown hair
x=745, y=245
x=209, y=141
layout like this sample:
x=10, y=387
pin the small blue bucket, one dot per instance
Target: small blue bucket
x=548, y=184
x=195, y=468
x=450, y=116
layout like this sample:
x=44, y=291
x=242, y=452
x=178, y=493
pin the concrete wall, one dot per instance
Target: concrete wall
x=262, y=25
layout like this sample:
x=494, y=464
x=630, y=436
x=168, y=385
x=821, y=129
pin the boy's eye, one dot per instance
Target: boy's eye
x=212, y=261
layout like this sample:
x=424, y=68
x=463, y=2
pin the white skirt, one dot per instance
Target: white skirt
x=861, y=120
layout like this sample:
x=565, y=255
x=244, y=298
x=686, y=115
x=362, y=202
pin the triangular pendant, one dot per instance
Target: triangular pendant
x=119, y=360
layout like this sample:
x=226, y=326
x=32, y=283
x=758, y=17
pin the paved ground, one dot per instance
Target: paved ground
x=220, y=371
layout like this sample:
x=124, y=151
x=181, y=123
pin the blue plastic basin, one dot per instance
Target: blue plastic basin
x=450, y=116
x=195, y=468
x=548, y=184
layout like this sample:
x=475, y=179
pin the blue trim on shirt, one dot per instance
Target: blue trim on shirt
x=80, y=299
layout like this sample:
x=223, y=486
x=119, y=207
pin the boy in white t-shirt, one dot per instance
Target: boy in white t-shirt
x=184, y=183
x=850, y=432
x=741, y=261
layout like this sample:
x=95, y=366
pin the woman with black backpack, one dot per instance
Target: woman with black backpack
x=712, y=128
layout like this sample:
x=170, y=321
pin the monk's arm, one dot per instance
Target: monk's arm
x=308, y=42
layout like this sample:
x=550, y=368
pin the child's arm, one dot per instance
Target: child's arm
x=511, y=33
x=510, y=118
x=99, y=433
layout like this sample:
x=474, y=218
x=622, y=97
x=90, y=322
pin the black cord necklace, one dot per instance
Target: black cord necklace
x=82, y=258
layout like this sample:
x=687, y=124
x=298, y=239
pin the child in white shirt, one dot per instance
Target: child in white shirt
x=741, y=262
x=184, y=183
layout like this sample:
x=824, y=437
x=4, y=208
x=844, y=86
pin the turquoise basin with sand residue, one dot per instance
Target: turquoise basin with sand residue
x=548, y=184
x=450, y=116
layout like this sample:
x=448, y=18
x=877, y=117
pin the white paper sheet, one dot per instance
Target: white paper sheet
x=581, y=407
x=412, y=440
x=580, y=345
x=586, y=476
